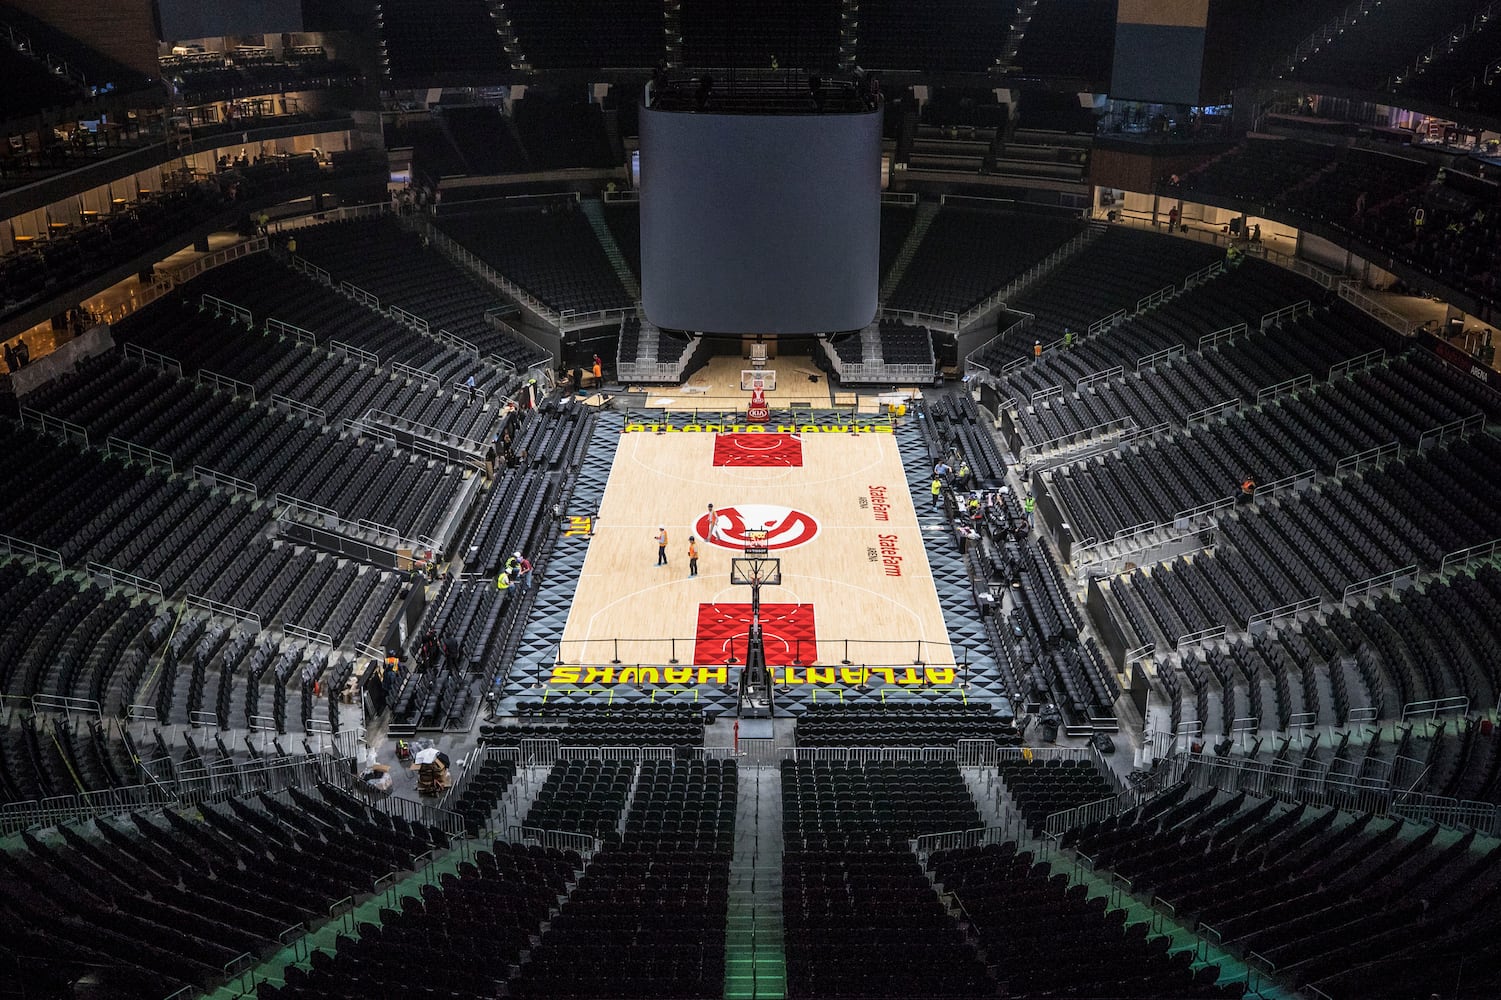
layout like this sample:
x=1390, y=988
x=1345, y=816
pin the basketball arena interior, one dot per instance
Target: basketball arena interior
x=800, y=499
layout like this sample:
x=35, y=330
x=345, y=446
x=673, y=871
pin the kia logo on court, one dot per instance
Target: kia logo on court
x=784, y=527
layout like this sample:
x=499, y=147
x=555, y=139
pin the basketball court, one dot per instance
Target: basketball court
x=856, y=603
x=721, y=384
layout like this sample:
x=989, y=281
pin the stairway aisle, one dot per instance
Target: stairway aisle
x=594, y=211
x=926, y=211
x=755, y=964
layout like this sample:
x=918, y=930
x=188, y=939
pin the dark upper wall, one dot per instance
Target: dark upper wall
x=124, y=30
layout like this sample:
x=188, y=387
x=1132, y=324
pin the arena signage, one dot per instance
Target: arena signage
x=833, y=676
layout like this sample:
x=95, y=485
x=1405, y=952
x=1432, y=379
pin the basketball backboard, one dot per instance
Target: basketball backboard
x=756, y=570
x=753, y=378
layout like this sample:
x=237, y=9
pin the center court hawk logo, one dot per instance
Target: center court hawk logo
x=785, y=528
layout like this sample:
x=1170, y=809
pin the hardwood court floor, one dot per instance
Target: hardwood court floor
x=717, y=385
x=842, y=522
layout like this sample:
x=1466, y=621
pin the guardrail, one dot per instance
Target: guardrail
x=56, y=426
x=410, y=319
x=1104, y=323
x=365, y=427
x=213, y=607
x=456, y=342
x=880, y=372
x=977, y=837
x=1100, y=376
x=14, y=546
x=306, y=634
x=416, y=374
x=297, y=406
x=1221, y=336
x=358, y=427
x=438, y=436
x=154, y=359
x=1210, y=412
x=1139, y=434
x=1203, y=635
x=59, y=809
x=1370, y=457
x=1461, y=557
x=571, y=319
x=1305, y=781
x=221, y=307
x=1203, y=274
x=310, y=269
x=360, y=295
x=871, y=755
x=648, y=371
x=1117, y=552
x=1433, y=706
x=119, y=578
x=1087, y=436
x=1349, y=290
x=1151, y=361
x=1204, y=510
x=1284, y=388
x=1156, y=298
x=210, y=261
x=947, y=321
x=1265, y=618
x=233, y=386
x=1048, y=393
x=215, y=478
x=562, y=840
x=1286, y=313
x=359, y=354
x=462, y=255
x=1382, y=581
x=1297, y=480
x=139, y=453
x=1020, y=284
x=1454, y=430
x=362, y=539
x=1482, y=817
x=304, y=337
x=1357, y=364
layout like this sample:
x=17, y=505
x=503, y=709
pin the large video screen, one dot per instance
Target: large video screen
x=759, y=223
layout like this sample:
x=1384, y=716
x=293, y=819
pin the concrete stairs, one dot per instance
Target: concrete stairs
x=755, y=964
x=594, y=211
x=926, y=211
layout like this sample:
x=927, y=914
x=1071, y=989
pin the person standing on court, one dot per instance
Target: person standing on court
x=713, y=534
x=661, y=546
x=692, y=556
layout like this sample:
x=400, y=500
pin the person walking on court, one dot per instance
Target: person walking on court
x=692, y=556
x=661, y=546
x=713, y=533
